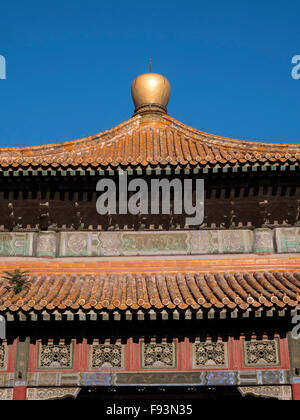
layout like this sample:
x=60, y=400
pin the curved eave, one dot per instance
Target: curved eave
x=155, y=291
x=170, y=285
x=149, y=141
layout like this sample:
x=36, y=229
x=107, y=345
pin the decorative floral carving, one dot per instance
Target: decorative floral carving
x=261, y=353
x=110, y=242
x=154, y=243
x=53, y=356
x=263, y=240
x=203, y=242
x=233, y=241
x=6, y=394
x=46, y=243
x=279, y=392
x=77, y=243
x=3, y=356
x=210, y=354
x=51, y=393
x=158, y=356
x=106, y=356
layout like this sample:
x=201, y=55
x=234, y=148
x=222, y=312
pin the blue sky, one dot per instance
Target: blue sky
x=70, y=65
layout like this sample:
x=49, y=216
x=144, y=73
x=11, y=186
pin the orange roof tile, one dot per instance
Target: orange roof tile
x=160, y=290
x=148, y=141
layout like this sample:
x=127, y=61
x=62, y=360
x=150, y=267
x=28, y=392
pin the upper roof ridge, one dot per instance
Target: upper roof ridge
x=190, y=146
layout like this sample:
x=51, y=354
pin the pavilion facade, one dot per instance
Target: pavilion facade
x=145, y=302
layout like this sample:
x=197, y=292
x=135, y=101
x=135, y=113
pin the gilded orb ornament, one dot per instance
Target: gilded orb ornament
x=150, y=93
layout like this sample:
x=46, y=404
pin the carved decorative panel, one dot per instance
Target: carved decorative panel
x=261, y=353
x=287, y=240
x=16, y=244
x=6, y=394
x=77, y=243
x=107, y=356
x=55, y=356
x=57, y=393
x=3, y=356
x=210, y=355
x=46, y=244
x=279, y=392
x=158, y=355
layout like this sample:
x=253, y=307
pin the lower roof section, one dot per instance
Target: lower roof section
x=154, y=284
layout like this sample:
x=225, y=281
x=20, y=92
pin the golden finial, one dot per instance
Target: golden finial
x=150, y=93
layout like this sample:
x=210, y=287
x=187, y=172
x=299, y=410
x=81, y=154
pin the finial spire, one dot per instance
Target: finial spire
x=150, y=93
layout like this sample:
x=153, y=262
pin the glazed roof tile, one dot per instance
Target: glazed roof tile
x=148, y=141
x=154, y=290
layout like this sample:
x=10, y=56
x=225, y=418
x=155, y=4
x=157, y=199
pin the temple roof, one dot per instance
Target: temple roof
x=88, y=287
x=149, y=140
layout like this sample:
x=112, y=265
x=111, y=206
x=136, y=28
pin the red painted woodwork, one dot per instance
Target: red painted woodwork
x=296, y=392
x=184, y=356
x=284, y=355
x=19, y=393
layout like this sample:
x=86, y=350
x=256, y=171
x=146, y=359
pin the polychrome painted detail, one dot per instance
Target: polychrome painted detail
x=16, y=244
x=203, y=378
x=201, y=242
x=288, y=240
